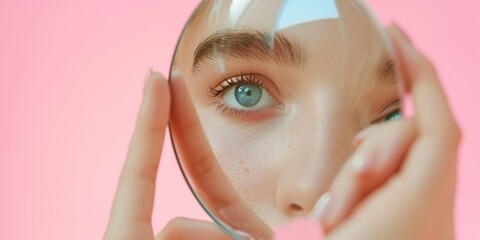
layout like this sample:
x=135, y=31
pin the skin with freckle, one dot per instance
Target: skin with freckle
x=282, y=156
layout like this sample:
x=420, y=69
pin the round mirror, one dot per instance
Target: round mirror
x=280, y=87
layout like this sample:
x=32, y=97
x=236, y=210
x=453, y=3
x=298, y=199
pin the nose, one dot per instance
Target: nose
x=320, y=151
x=300, y=188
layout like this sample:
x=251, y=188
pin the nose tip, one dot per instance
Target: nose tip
x=297, y=200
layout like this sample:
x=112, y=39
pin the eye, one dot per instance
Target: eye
x=391, y=112
x=248, y=96
x=395, y=115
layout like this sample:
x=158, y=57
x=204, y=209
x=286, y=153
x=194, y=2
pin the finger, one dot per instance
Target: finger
x=202, y=167
x=133, y=203
x=431, y=107
x=183, y=228
x=376, y=160
x=432, y=158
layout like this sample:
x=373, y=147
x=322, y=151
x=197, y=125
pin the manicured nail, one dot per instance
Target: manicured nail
x=321, y=207
x=362, y=135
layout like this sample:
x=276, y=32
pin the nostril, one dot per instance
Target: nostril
x=296, y=208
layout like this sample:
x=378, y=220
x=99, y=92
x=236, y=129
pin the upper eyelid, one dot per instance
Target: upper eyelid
x=263, y=80
x=228, y=84
x=396, y=102
x=229, y=79
x=393, y=106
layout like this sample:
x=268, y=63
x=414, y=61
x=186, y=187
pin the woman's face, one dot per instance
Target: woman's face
x=280, y=105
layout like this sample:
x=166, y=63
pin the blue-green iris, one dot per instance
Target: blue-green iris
x=248, y=95
x=393, y=116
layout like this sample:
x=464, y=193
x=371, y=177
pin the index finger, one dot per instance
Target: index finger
x=431, y=160
x=133, y=204
x=202, y=168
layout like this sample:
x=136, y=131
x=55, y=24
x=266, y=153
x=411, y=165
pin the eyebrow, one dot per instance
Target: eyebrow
x=244, y=45
x=385, y=71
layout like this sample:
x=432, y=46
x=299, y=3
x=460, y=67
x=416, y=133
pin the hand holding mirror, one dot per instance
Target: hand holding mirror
x=266, y=99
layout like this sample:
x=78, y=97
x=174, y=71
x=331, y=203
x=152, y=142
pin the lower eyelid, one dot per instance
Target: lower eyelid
x=247, y=115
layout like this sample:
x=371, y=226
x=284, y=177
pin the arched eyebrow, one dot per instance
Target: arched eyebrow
x=243, y=45
x=267, y=47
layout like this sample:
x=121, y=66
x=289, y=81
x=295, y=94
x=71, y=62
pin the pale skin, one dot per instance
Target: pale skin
x=398, y=184
x=283, y=157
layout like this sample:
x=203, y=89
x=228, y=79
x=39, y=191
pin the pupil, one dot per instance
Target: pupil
x=248, y=95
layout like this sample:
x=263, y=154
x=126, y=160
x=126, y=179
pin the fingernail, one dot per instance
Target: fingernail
x=360, y=164
x=147, y=77
x=321, y=207
x=174, y=73
x=362, y=135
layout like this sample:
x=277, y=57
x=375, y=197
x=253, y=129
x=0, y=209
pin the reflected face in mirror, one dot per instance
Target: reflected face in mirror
x=280, y=106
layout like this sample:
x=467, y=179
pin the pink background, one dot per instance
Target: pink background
x=71, y=78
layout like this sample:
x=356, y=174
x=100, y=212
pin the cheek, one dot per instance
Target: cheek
x=249, y=160
x=255, y=165
x=305, y=145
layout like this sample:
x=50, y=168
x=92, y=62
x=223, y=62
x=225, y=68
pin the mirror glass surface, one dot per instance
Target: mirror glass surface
x=280, y=87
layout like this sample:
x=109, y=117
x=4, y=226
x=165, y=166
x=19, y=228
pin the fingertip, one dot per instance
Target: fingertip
x=405, y=56
x=397, y=31
x=359, y=137
x=174, y=73
x=361, y=165
x=147, y=74
x=151, y=76
x=157, y=76
x=407, y=51
x=158, y=83
x=156, y=102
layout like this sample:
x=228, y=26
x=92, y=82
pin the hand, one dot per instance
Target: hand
x=400, y=182
x=133, y=204
x=132, y=209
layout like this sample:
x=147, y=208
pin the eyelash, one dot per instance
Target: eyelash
x=243, y=79
x=228, y=83
x=395, y=106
